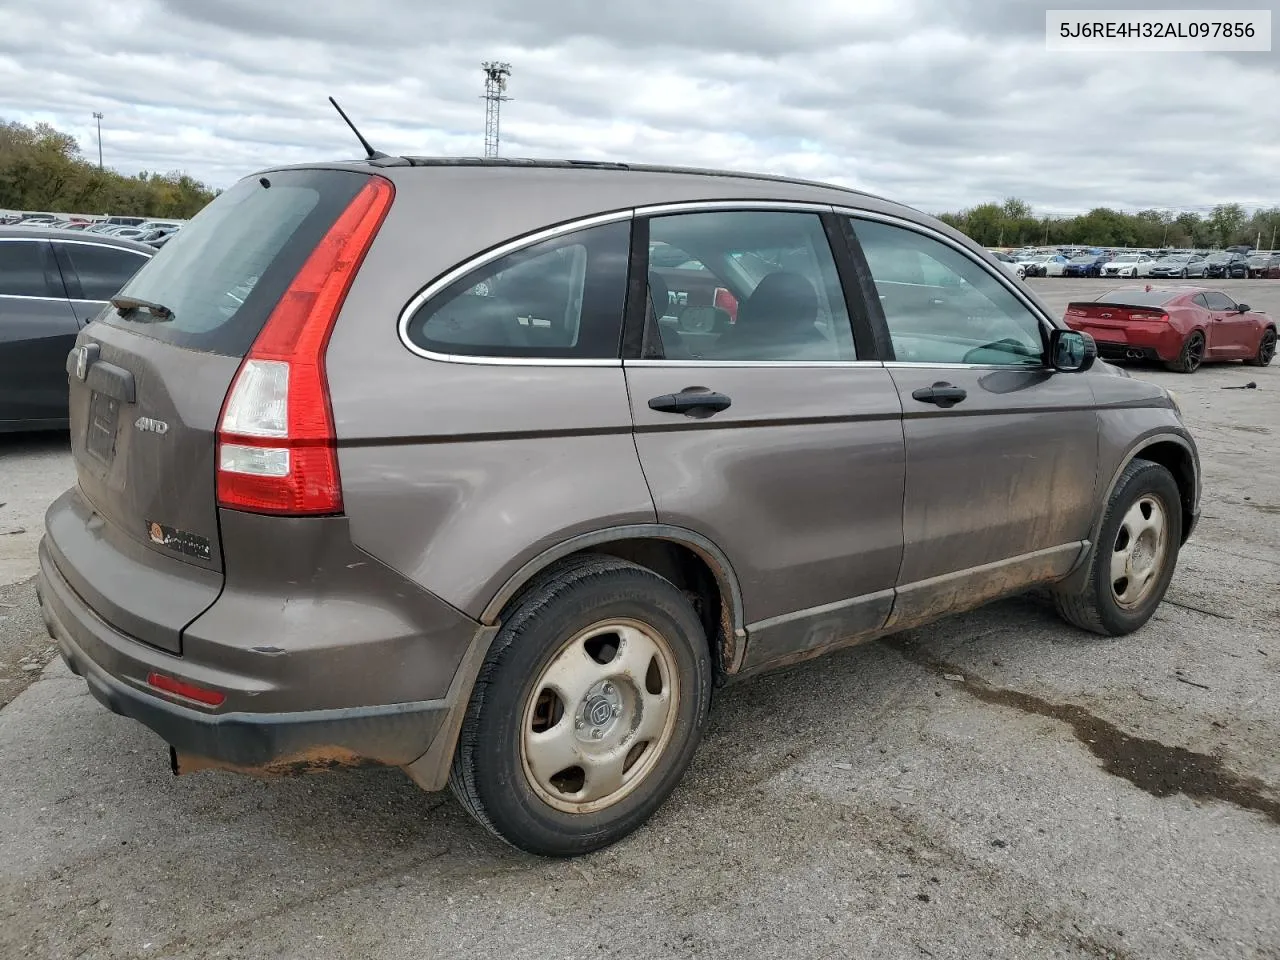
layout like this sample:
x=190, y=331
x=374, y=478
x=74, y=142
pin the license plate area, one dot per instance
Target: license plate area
x=104, y=419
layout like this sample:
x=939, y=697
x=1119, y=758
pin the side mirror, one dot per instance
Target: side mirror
x=1071, y=351
x=1242, y=307
x=703, y=319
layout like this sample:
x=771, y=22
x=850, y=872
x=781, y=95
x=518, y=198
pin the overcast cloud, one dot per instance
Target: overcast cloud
x=938, y=103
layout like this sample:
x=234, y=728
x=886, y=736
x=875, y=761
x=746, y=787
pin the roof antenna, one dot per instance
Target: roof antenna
x=373, y=154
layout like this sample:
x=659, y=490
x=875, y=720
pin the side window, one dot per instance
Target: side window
x=562, y=298
x=747, y=286
x=1219, y=301
x=1201, y=301
x=943, y=307
x=22, y=269
x=103, y=271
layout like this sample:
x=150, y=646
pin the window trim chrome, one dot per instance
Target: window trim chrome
x=723, y=364
x=1046, y=322
x=572, y=226
x=728, y=206
x=84, y=243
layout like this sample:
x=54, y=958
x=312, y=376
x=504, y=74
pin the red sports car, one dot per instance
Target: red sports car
x=1181, y=327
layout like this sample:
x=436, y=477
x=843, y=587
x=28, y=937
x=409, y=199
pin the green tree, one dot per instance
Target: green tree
x=1226, y=222
x=41, y=168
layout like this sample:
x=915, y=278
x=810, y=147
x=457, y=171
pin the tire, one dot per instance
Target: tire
x=1098, y=607
x=554, y=813
x=1192, y=354
x=1184, y=273
x=1266, y=349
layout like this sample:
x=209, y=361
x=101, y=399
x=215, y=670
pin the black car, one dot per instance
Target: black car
x=52, y=282
x=1264, y=266
x=1229, y=264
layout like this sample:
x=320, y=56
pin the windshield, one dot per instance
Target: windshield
x=1127, y=258
x=1085, y=259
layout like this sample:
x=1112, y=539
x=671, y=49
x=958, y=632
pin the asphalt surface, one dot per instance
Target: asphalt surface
x=998, y=785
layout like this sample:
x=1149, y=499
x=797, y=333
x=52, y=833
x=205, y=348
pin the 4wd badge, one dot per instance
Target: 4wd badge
x=148, y=425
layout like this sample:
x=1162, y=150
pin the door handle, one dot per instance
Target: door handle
x=691, y=401
x=941, y=393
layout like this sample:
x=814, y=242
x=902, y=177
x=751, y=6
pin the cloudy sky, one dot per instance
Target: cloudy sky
x=938, y=103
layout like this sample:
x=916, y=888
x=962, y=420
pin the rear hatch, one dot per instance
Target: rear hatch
x=139, y=540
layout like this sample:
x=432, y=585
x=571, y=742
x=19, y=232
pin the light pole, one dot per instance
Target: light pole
x=97, y=116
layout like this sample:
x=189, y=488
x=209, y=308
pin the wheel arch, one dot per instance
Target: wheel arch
x=1177, y=456
x=690, y=560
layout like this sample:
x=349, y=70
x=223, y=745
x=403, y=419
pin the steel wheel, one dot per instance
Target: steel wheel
x=600, y=716
x=1138, y=553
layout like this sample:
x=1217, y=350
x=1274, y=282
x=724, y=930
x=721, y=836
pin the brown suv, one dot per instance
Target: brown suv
x=395, y=462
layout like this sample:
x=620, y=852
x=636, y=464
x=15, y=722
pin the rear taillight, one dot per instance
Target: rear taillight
x=277, y=448
x=1076, y=312
x=1149, y=317
x=726, y=301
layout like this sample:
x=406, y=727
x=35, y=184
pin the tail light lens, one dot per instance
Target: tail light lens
x=277, y=447
x=1150, y=317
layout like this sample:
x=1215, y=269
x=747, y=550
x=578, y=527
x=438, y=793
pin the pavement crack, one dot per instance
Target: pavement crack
x=1151, y=766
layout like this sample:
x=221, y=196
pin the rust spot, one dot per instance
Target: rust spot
x=314, y=760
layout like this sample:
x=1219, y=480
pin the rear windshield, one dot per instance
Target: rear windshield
x=1136, y=298
x=223, y=273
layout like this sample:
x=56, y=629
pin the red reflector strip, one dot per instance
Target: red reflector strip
x=212, y=698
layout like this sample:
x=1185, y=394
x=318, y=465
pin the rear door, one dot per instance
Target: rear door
x=94, y=273
x=1001, y=452
x=37, y=328
x=144, y=413
x=775, y=437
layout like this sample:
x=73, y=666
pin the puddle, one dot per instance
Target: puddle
x=1149, y=765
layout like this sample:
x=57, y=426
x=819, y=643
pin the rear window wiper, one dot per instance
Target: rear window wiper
x=125, y=305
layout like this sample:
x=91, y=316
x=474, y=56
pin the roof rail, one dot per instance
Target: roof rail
x=609, y=165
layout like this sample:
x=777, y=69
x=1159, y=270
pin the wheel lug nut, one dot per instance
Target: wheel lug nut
x=596, y=734
x=617, y=710
x=578, y=723
x=608, y=688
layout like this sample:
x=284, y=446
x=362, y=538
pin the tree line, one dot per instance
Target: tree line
x=1014, y=224
x=42, y=169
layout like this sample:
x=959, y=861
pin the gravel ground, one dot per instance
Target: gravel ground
x=997, y=785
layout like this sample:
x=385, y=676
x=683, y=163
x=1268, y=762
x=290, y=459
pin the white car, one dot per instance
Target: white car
x=1011, y=265
x=1129, y=265
x=1044, y=265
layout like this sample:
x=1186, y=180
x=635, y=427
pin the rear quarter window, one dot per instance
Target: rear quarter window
x=224, y=272
x=101, y=270
x=562, y=298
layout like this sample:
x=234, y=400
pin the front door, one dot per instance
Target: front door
x=1232, y=335
x=766, y=433
x=1001, y=451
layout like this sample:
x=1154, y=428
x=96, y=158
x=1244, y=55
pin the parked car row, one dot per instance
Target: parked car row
x=156, y=233
x=1227, y=264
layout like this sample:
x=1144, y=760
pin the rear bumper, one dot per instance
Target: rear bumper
x=255, y=742
x=1136, y=341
